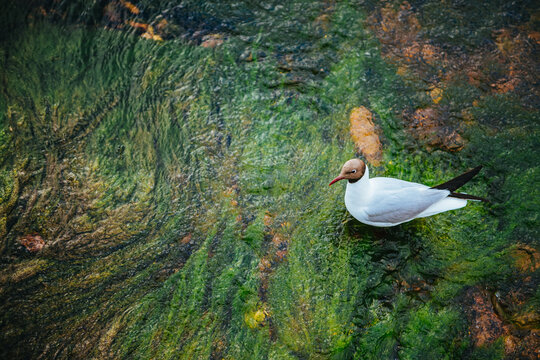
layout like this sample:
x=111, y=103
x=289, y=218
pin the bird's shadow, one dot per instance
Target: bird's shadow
x=401, y=241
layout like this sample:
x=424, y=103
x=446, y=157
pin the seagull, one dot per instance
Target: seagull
x=385, y=202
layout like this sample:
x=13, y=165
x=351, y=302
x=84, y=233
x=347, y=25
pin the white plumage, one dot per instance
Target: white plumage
x=383, y=201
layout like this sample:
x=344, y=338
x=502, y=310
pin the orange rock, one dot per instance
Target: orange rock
x=402, y=70
x=132, y=8
x=186, y=239
x=430, y=53
x=264, y=265
x=510, y=344
x=32, y=243
x=504, y=41
x=534, y=36
x=268, y=219
x=281, y=255
x=485, y=326
x=425, y=118
x=436, y=95
x=211, y=41
x=522, y=345
x=467, y=115
x=426, y=126
x=527, y=258
x=277, y=240
x=149, y=34
x=138, y=25
x=162, y=25
x=395, y=27
x=148, y=31
x=503, y=87
x=364, y=135
x=412, y=52
x=474, y=77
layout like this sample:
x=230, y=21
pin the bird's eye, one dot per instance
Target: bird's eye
x=354, y=171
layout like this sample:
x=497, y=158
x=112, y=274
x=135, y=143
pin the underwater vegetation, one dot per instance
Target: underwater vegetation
x=164, y=176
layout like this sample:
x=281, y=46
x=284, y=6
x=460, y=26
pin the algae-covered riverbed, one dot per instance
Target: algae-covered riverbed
x=164, y=173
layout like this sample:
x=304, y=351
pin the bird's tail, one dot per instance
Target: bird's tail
x=467, y=197
x=458, y=182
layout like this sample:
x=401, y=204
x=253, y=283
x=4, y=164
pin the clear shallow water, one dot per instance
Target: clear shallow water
x=176, y=179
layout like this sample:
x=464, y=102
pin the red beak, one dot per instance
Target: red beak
x=336, y=179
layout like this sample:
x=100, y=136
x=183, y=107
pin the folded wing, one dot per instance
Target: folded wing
x=402, y=205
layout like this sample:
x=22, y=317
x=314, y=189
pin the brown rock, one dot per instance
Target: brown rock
x=527, y=258
x=531, y=346
x=211, y=41
x=364, y=135
x=534, y=36
x=281, y=255
x=264, y=265
x=475, y=77
x=510, y=344
x=503, y=86
x=430, y=53
x=268, y=219
x=186, y=239
x=521, y=345
x=436, y=94
x=131, y=7
x=277, y=240
x=505, y=41
x=32, y=243
x=485, y=327
x=425, y=125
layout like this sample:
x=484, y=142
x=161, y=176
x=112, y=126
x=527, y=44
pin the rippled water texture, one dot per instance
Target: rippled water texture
x=164, y=173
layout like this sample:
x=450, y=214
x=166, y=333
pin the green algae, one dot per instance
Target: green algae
x=158, y=165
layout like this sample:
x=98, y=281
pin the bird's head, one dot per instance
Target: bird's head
x=353, y=170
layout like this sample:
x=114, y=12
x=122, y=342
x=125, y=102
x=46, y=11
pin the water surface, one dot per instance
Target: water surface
x=164, y=179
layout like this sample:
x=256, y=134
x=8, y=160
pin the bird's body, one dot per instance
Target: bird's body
x=384, y=202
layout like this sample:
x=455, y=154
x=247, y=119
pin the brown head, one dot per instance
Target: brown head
x=352, y=170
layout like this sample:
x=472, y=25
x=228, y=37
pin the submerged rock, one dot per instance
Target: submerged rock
x=485, y=326
x=527, y=258
x=488, y=322
x=32, y=243
x=428, y=125
x=364, y=134
x=211, y=41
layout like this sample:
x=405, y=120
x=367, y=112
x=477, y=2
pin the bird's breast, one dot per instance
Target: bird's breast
x=356, y=198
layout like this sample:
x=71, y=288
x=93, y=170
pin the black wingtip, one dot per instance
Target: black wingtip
x=459, y=181
x=468, y=197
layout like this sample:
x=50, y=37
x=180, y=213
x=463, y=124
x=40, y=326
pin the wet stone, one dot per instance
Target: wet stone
x=428, y=126
x=211, y=41
x=484, y=325
x=33, y=243
x=364, y=134
x=527, y=258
